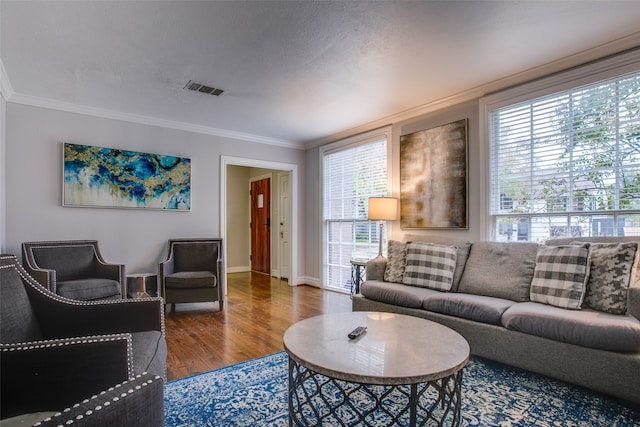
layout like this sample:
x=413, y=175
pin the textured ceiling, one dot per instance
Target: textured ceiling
x=292, y=71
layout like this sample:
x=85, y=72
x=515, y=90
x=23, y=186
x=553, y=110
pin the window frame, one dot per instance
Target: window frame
x=608, y=68
x=345, y=144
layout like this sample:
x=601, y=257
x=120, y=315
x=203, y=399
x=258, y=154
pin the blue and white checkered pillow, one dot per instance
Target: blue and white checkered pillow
x=430, y=266
x=560, y=275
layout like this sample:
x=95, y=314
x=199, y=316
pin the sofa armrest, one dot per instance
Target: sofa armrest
x=50, y=375
x=113, y=272
x=45, y=277
x=61, y=317
x=633, y=302
x=167, y=266
x=375, y=268
x=132, y=403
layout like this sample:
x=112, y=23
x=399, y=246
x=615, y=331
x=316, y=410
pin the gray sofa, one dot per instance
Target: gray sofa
x=489, y=303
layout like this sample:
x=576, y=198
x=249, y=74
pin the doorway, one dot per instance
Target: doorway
x=287, y=251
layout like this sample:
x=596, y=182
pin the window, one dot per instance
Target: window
x=566, y=164
x=351, y=174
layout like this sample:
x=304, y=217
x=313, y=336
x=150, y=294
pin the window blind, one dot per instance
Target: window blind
x=567, y=164
x=350, y=176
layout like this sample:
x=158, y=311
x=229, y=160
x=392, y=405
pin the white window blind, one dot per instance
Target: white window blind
x=567, y=164
x=350, y=176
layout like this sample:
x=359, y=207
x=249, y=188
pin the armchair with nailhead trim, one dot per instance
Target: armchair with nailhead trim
x=193, y=272
x=74, y=269
x=105, y=361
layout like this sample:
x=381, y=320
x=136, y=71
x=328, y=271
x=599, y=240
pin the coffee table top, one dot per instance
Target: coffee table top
x=396, y=349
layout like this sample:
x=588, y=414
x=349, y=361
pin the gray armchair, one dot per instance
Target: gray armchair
x=192, y=272
x=57, y=353
x=74, y=269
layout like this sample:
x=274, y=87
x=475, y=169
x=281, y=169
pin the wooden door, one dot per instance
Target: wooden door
x=261, y=225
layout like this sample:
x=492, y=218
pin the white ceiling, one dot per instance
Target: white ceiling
x=292, y=71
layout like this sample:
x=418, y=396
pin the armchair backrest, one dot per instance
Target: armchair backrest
x=18, y=322
x=70, y=260
x=195, y=255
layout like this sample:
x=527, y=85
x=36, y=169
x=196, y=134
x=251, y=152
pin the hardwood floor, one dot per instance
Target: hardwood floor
x=259, y=310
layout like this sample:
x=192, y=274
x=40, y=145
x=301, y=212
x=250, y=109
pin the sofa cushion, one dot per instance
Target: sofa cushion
x=560, y=275
x=429, y=265
x=191, y=279
x=375, y=268
x=610, y=267
x=472, y=307
x=396, y=258
x=500, y=270
x=587, y=328
x=464, y=246
x=90, y=289
x=395, y=293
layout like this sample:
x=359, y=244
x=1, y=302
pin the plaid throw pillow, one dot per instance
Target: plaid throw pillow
x=430, y=266
x=560, y=275
x=396, y=258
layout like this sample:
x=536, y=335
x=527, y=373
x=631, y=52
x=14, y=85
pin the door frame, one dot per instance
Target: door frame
x=293, y=193
x=281, y=250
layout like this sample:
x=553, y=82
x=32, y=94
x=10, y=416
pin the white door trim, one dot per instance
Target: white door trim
x=293, y=186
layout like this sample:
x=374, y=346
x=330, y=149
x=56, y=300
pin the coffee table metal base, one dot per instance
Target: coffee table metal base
x=316, y=400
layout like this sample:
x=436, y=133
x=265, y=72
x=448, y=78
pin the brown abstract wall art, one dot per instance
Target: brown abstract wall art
x=433, y=177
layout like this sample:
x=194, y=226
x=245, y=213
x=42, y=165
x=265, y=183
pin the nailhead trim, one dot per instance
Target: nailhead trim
x=99, y=406
x=69, y=341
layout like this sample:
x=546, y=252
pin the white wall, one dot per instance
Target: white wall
x=313, y=233
x=134, y=237
x=238, y=212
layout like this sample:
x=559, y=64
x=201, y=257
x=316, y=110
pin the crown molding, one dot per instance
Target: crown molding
x=594, y=54
x=146, y=120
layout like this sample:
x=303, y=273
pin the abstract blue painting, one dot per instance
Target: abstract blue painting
x=108, y=177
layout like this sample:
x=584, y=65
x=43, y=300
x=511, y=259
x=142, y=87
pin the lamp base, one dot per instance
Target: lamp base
x=380, y=242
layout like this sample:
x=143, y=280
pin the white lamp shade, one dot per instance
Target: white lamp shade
x=383, y=208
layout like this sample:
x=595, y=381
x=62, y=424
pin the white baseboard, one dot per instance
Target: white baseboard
x=311, y=281
x=242, y=269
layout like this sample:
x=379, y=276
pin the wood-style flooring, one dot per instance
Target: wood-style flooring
x=258, y=311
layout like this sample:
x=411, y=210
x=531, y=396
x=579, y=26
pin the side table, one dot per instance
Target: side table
x=358, y=271
x=142, y=285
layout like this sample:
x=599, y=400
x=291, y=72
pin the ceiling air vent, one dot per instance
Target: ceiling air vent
x=198, y=87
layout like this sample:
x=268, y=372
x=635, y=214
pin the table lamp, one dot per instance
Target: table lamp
x=382, y=209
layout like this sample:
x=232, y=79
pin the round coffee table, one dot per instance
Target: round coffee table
x=403, y=371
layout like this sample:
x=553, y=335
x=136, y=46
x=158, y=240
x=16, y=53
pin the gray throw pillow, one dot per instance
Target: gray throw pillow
x=560, y=276
x=396, y=258
x=609, y=276
x=430, y=266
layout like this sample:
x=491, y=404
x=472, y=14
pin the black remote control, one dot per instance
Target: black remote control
x=357, y=332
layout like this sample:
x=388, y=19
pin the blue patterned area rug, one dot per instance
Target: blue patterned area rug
x=254, y=393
